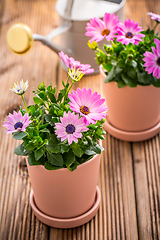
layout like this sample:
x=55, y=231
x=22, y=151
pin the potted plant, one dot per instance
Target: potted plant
x=61, y=134
x=130, y=68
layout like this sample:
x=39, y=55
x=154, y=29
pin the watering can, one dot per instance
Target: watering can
x=74, y=15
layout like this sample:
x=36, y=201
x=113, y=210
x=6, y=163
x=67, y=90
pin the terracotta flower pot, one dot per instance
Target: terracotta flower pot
x=134, y=113
x=63, y=194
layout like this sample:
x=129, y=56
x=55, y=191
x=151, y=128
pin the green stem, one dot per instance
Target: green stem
x=155, y=26
x=24, y=103
x=67, y=80
x=68, y=90
x=70, y=87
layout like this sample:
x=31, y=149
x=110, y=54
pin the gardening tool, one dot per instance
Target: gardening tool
x=74, y=15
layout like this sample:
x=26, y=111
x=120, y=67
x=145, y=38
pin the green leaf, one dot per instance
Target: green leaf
x=55, y=159
x=65, y=148
x=73, y=166
x=53, y=139
x=20, y=150
x=49, y=166
x=53, y=148
x=38, y=154
x=33, y=162
x=19, y=135
x=121, y=63
x=43, y=126
x=97, y=148
x=156, y=82
x=38, y=100
x=107, y=66
x=118, y=70
x=48, y=117
x=129, y=81
x=89, y=151
x=132, y=63
x=45, y=130
x=121, y=84
x=51, y=96
x=69, y=158
x=111, y=75
x=30, y=146
x=131, y=73
x=43, y=96
x=144, y=77
x=94, y=149
x=77, y=150
x=60, y=96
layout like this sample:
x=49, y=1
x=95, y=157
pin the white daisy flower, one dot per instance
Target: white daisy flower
x=20, y=88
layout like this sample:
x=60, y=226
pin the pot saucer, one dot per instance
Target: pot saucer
x=131, y=136
x=69, y=222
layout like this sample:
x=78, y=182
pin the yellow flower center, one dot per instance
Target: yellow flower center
x=84, y=110
x=105, y=32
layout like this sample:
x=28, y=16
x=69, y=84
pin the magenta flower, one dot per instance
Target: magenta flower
x=71, y=64
x=88, y=105
x=71, y=127
x=98, y=29
x=152, y=60
x=154, y=16
x=129, y=32
x=16, y=122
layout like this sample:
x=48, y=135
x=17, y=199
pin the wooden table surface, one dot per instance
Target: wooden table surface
x=129, y=177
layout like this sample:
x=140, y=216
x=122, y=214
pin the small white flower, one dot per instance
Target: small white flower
x=21, y=88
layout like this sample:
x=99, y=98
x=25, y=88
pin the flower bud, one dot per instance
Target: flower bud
x=41, y=87
x=35, y=122
x=130, y=57
x=108, y=49
x=92, y=45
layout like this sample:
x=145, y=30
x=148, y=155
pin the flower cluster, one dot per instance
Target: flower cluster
x=60, y=129
x=131, y=55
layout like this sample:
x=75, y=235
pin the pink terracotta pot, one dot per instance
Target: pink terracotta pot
x=64, y=194
x=132, y=109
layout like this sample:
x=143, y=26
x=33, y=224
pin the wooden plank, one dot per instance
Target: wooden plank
x=142, y=193
x=18, y=221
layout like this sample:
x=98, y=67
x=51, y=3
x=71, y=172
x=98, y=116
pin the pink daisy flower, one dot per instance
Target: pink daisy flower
x=71, y=64
x=154, y=16
x=71, y=127
x=88, y=105
x=129, y=32
x=98, y=29
x=152, y=60
x=16, y=122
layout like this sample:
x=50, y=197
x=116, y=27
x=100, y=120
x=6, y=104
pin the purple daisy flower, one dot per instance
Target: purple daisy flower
x=88, y=105
x=16, y=122
x=154, y=16
x=98, y=29
x=129, y=32
x=73, y=64
x=152, y=60
x=71, y=127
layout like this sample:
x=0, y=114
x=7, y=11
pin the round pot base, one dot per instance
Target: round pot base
x=131, y=136
x=67, y=222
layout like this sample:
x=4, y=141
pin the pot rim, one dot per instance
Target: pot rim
x=64, y=169
x=114, y=82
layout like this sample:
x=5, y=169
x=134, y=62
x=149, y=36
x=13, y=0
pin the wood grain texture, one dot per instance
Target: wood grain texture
x=129, y=177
